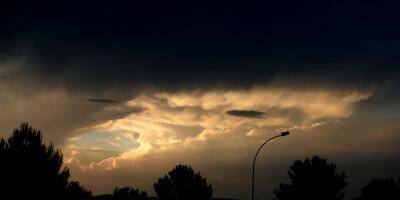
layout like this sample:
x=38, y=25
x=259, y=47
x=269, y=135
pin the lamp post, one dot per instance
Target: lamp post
x=283, y=134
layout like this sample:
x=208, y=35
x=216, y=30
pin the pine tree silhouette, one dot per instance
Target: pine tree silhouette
x=30, y=169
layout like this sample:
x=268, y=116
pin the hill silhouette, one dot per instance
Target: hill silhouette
x=111, y=197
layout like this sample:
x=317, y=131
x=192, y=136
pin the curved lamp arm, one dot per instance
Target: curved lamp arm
x=285, y=133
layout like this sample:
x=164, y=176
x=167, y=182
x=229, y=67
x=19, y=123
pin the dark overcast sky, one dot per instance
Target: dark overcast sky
x=181, y=43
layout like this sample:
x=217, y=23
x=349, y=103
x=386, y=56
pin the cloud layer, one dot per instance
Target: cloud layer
x=193, y=127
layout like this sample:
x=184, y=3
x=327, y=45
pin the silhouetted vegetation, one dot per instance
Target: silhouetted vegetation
x=386, y=189
x=128, y=193
x=183, y=183
x=30, y=169
x=313, y=179
x=77, y=192
x=103, y=197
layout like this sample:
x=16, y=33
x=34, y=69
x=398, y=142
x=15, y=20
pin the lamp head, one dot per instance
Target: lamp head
x=285, y=133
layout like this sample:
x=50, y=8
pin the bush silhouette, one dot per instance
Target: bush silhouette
x=313, y=179
x=386, y=189
x=182, y=183
x=127, y=193
x=31, y=170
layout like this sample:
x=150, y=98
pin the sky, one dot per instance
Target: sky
x=129, y=89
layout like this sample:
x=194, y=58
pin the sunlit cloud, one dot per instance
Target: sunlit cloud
x=191, y=121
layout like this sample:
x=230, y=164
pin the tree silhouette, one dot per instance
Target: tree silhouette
x=76, y=192
x=313, y=179
x=182, y=183
x=386, y=189
x=30, y=169
x=127, y=193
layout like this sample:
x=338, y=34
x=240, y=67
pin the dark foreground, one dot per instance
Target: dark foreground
x=110, y=197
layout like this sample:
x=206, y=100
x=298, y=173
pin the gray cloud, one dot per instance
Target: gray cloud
x=246, y=113
x=136, y=135
x=106, y=101
x=57, y=113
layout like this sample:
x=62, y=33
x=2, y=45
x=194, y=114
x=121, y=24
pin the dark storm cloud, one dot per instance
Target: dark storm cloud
x=246, y=113
x=106, y=101
x=102, y=49
x=177, y=45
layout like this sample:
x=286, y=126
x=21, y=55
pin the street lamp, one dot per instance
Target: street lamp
x=283, y=134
